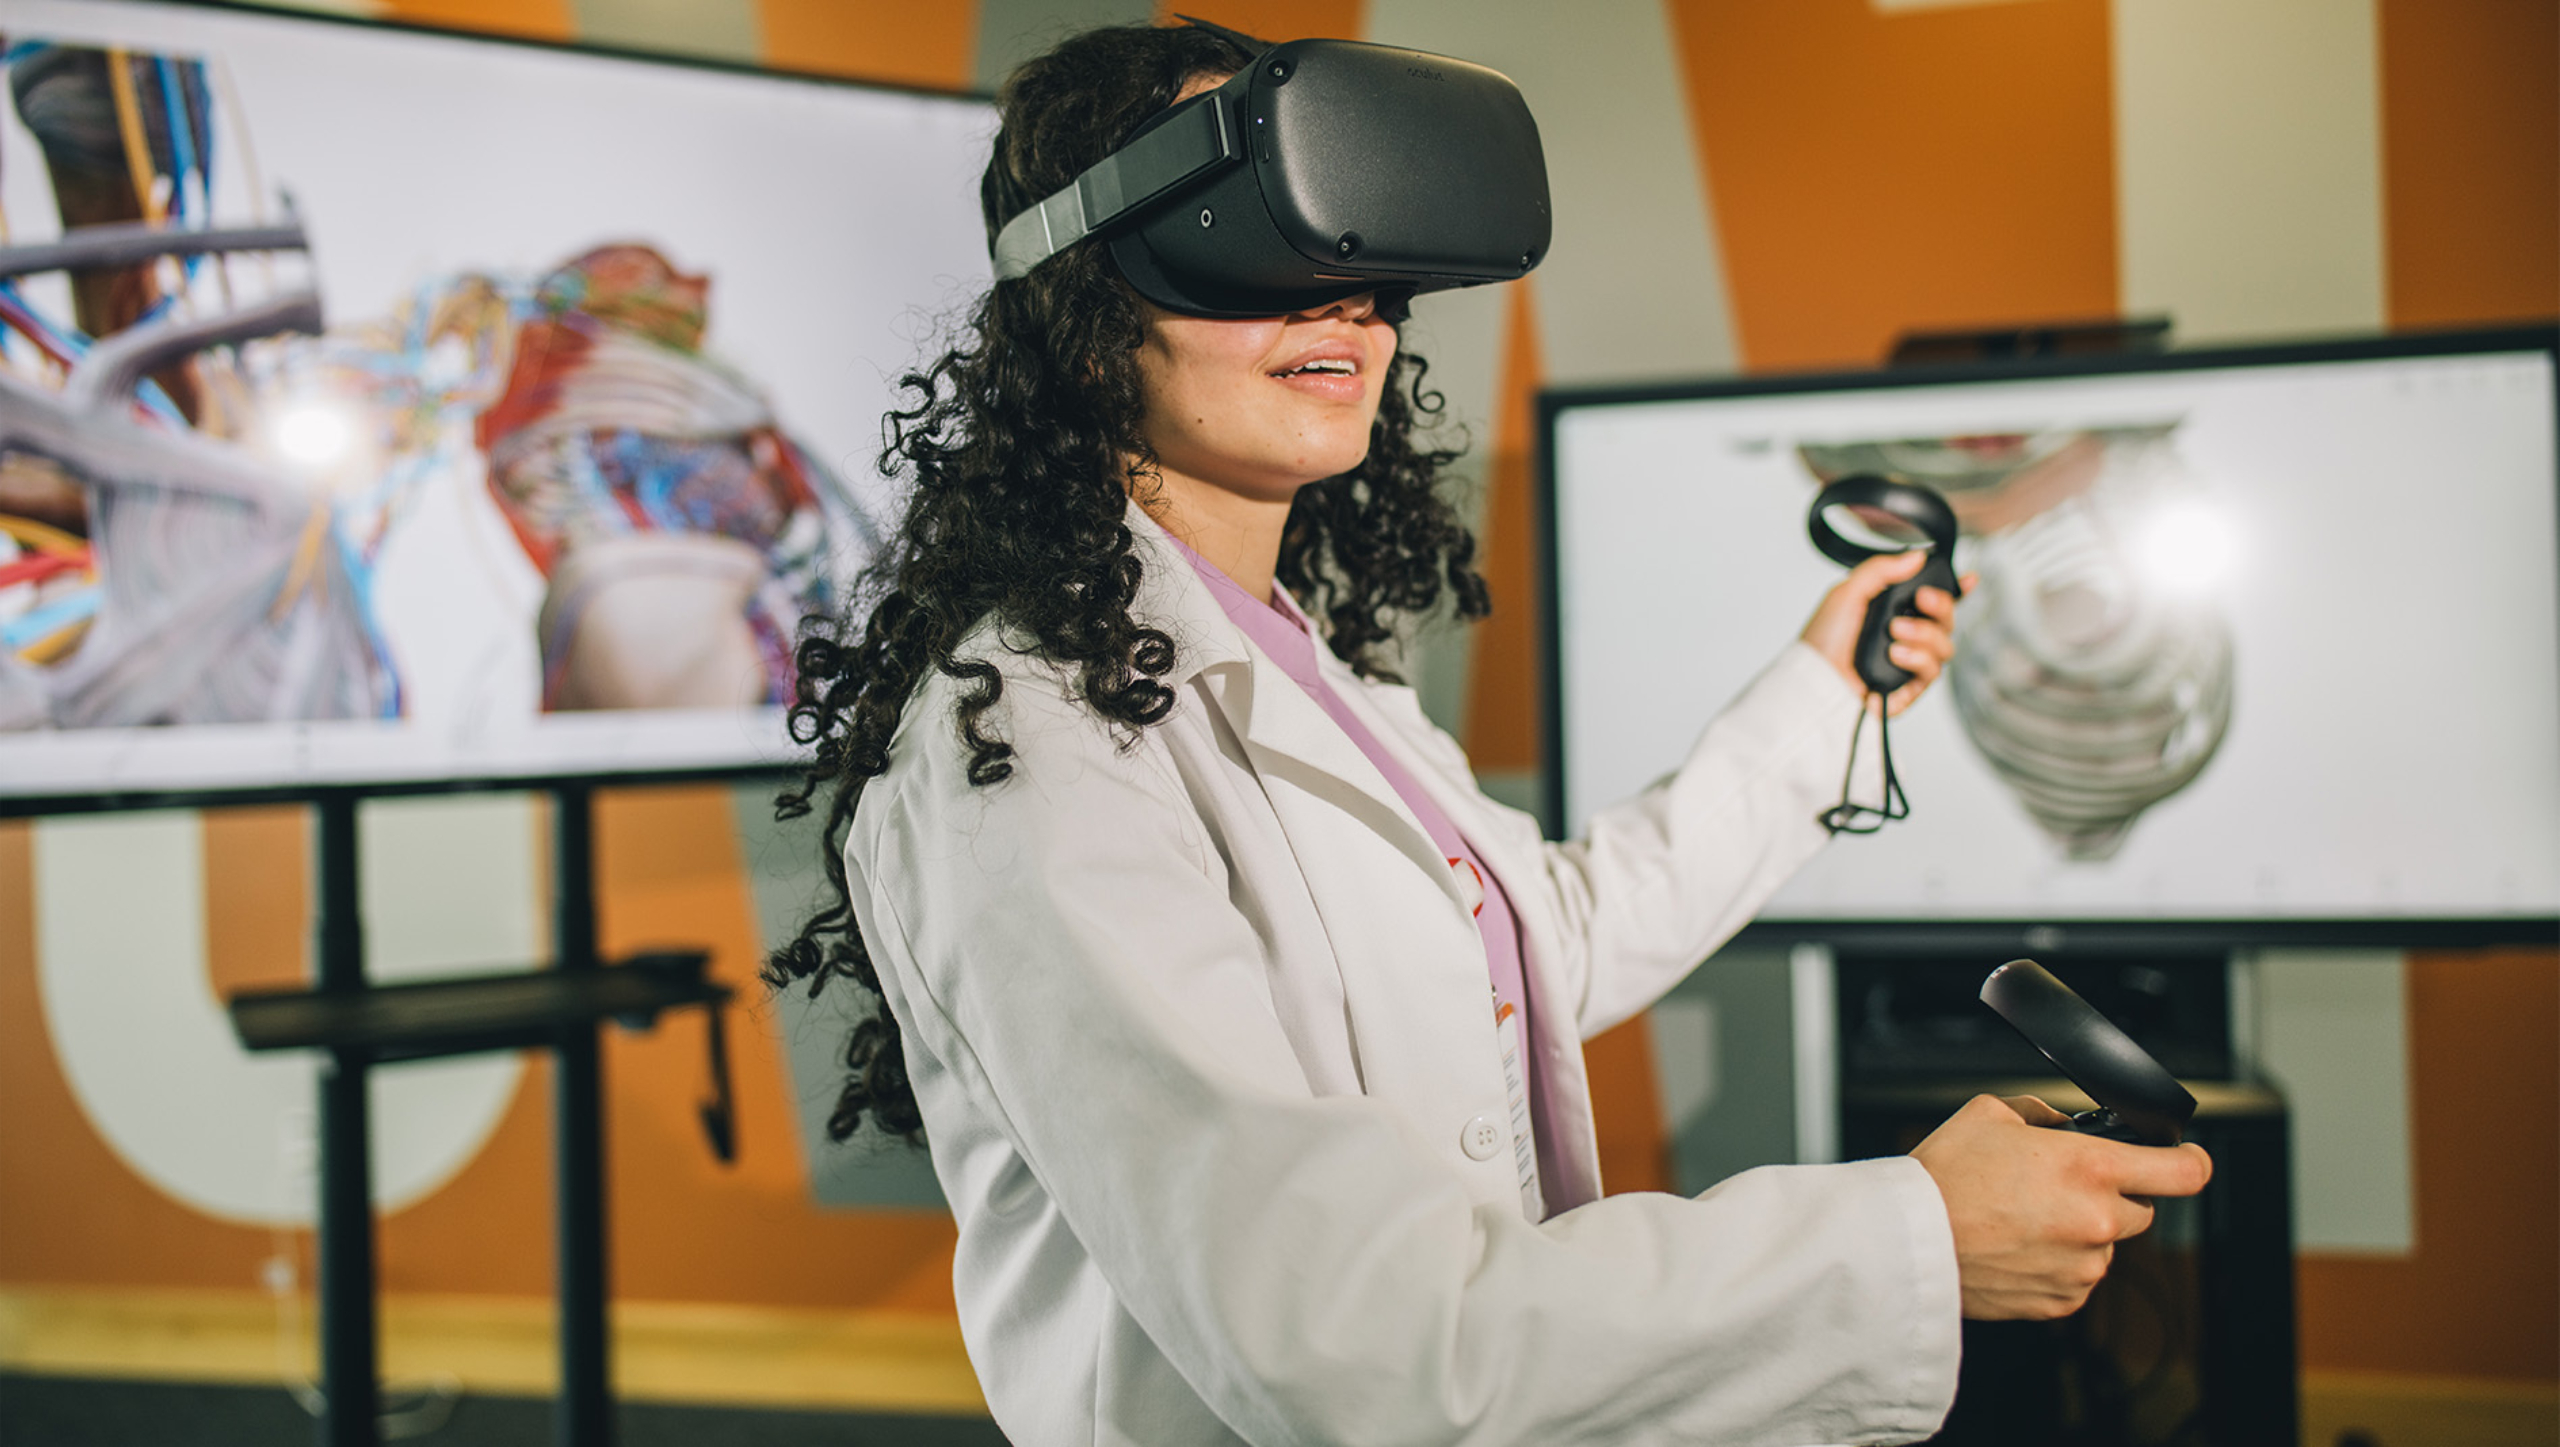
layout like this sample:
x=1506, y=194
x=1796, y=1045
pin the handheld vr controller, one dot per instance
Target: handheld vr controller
x=2138, y=1101
x=1901, y=505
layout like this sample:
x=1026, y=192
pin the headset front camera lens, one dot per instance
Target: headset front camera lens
x=1279, y=70
x=1348, y=246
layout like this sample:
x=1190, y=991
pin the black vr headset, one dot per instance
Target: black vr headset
x=1323, y=169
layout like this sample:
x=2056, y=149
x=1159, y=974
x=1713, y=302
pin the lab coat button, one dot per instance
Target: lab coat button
x=1480, y=1138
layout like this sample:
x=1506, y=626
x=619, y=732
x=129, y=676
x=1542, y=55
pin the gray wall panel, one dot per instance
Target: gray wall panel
x=710, y=29
x=1634, y=288
x=1012, y=31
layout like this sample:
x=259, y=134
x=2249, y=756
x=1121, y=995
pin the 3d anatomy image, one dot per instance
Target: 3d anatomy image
x=2095, y=671
x=205, y=467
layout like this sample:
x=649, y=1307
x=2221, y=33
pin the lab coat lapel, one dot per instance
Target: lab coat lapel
x=1290, y=737
x=1412, y=965
x=1285, y=733
x=1403, y=940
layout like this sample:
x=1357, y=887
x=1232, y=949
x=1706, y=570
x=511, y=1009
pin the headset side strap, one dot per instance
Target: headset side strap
x=1191, y=143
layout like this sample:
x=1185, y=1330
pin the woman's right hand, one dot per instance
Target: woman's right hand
x=1921, y=645
x=2036, y=1211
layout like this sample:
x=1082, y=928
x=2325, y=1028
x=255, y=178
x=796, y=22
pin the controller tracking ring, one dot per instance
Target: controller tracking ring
x=1921, y=507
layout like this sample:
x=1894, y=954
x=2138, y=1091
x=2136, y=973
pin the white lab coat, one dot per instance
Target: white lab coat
x=1198, y=1021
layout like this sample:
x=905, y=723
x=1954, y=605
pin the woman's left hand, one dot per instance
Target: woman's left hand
x=1921, y=645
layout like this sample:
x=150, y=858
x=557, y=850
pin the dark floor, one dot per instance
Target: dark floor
x=78, y=1412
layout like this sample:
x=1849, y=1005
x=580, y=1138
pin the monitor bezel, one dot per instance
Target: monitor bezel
x=1998, y=935
x=767, y=771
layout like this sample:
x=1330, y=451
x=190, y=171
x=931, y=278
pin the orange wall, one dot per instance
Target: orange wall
x=2471, y=159
x=1873, y=173
x=897, y=41
x=2480, y=1297
x=532, y=19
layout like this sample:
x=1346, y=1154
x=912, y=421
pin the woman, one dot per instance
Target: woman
x=1185, y=924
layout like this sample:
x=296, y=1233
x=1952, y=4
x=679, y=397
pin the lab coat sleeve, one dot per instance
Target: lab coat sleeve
x=1653, y=884
x=1064, y=947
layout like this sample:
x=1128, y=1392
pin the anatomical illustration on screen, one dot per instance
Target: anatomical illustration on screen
x=2094, y=668
x=211, y=471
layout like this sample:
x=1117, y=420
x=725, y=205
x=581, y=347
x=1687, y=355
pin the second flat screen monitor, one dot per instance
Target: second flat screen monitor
x=2272, y=640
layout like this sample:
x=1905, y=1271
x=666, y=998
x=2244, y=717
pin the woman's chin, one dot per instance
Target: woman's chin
x=1273, y=479
x=1336, y=455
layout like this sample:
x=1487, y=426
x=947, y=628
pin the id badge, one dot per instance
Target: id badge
x=1515, y=1086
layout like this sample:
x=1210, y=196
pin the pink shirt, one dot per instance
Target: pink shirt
x=1285, y=636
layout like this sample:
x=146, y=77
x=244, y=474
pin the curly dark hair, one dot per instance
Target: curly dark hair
x=1020, y=452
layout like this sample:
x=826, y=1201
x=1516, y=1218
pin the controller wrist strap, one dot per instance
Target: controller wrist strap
x=1849, y=817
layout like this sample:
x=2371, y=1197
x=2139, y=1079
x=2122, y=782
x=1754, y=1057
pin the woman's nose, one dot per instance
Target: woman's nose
x=1349, y=308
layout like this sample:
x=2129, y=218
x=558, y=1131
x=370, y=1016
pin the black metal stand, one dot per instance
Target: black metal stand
x=585, y=1412
x=348, y=1362
x=361, y=1025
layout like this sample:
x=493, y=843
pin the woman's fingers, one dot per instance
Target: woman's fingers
x=1833, y=629
x=2181, y=1170
x=2133, y=1216
x=1880, y=572
x=1923, y=646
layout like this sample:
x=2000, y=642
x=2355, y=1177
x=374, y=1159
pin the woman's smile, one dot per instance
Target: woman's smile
x=1330, y=369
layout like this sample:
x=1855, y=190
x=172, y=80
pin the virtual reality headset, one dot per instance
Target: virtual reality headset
x=1324, y=169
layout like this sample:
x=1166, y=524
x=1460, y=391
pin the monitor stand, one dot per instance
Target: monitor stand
x=359, y=1026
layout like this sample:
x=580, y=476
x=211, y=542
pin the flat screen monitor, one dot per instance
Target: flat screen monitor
x=381, y=407
x=2266, y=644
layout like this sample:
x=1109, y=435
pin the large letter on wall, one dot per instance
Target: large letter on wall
x=148, y=1049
